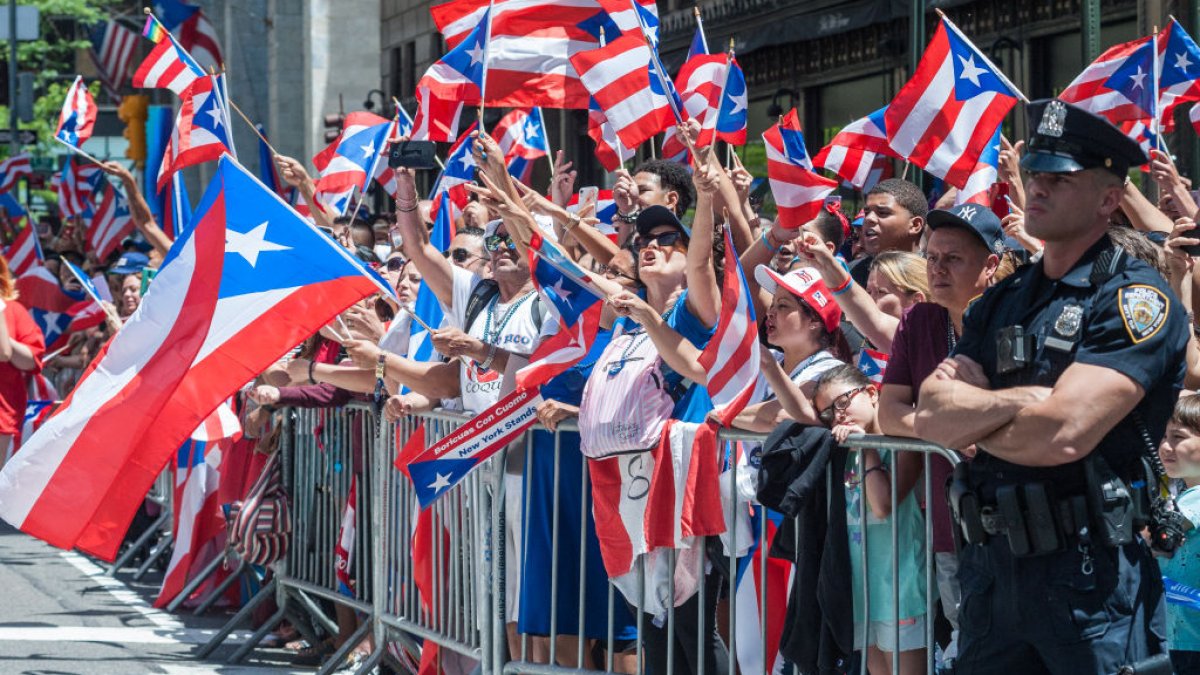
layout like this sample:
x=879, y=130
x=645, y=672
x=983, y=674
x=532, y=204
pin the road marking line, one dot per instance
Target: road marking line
x=117, y=634
x=122, y=592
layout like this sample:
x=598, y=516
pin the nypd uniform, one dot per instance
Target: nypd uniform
x=1041, y=590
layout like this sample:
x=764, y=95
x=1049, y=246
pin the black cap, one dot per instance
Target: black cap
x=654, y=216
x=1067, y=138
x=979, y=220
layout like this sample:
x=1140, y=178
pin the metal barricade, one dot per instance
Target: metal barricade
x=159, y=532
x=462, y=606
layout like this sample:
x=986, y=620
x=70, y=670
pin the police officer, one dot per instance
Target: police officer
x=1066, y=373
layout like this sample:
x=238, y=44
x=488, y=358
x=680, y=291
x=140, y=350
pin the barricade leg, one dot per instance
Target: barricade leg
x=244, y=650
x=335, y=660
x=163, y=519
x=156, y=552
x=241, y=615
x=217, y=592
x=195, y=583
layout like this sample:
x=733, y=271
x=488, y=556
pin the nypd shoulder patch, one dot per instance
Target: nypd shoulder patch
x=1144, y=310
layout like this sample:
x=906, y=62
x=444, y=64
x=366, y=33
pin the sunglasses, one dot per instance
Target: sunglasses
x=459, y=255
x=664, y=240
x=611, y=272
x=497, y=241
x=395, y=264
x=839, y=404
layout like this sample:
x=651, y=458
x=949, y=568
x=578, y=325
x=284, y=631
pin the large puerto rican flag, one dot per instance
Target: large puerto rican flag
x=244, y=284
x=944, y=117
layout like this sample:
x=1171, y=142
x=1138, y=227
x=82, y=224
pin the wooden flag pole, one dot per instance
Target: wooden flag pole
x=79, y=151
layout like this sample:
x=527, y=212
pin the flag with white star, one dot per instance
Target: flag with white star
x=239, y=289
x=348, y=163
x=78, y=115
x=1179, y=71
x=461, y=73
x=521, y=135
x=944, y=117
x=201, y=133
x=1119, y=84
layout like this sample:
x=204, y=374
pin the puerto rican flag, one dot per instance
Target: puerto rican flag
x=943, y=118
x=437, y=119
x=40, y=289
x=606, y=212
x=1179, y=71
x=576, y=302
x=672, y=147
x=343, y=165
x=979, y=185
x=246, y=283
x=1118, y=84
x=873, y=364
x=199, y=523
x=13, y=169
x=459, y=75
x=799, y=193
x=1140, y=131
x=25, y=252
x=521, y=135
x=202, y=132
x=426, y=305
x=196, y=33
x=112, y=49
x=110, y=224
x=618, y=75
x=178, y=207
x=731, y=356
x=856, y=151
x=714, y=94
x=168, y=66
x=343, y=551
x=532, y=42
x=36, y=412
x=76, y=184
x=78, y=115
x=460, y=170
x=57, y=327
x=610, y=151
x=760, y=576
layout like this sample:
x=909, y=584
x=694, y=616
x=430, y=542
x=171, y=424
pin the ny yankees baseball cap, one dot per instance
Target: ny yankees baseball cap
x=977, y=219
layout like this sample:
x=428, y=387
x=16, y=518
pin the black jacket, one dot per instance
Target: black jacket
x=794, y=479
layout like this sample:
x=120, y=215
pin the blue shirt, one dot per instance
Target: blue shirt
x=1183, y=622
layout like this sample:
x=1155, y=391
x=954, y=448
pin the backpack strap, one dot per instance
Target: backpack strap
x=483, y=294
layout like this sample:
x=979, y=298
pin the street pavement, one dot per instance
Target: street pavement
x=61, y=615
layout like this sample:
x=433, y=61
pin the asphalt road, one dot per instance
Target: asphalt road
x=60, y=615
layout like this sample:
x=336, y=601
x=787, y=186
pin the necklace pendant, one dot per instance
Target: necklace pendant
x=616, y=367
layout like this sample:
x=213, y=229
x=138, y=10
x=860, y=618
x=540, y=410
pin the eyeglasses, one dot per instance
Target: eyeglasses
x=496, y=241
x=395, y=264
x=839, y=404
x=459, y=255
x=664, y=240
x=611, y=272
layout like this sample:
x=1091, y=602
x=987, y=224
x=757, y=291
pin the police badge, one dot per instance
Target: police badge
x=1053, y=118
x=1144, y=311
x=1069, y=319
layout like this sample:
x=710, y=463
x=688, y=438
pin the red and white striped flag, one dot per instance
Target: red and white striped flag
x=13, y=169
x=855, y=151
x=731, y=356
x=168, y=66
x=343, y=552
x=618, y=77
x=110, y=224
x=799, y=193
x=78, y=115
x=25, y=252
x=610, y=151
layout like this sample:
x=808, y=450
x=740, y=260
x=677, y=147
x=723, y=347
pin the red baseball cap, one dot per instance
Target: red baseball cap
x=806, y=284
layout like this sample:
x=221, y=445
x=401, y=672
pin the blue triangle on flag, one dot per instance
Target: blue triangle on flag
x=433, y=477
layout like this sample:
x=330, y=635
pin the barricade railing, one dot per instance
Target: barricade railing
x=462, y=606
x=160, y=493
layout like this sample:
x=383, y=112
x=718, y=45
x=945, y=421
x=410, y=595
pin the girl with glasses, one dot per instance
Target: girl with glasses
x=846, y=401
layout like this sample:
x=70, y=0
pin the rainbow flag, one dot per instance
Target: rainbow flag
x=153, y=29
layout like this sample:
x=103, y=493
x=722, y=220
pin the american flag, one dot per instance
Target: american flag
x=532, y=42
x=619, y=78
x=113, y=46
x=943, y=118
x=799, y=193
x=1118, y=84
x=854, y=152
x=731, y=356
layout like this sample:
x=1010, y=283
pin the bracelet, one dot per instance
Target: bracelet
x=572, y=222
x=487, y=363
x=877, y=467
x=766, y=243
x=630, y=217
x=845, y=286
x=381, y=366
x=310, y=372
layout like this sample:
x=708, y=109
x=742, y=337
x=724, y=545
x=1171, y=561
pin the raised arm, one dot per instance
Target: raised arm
x=704, y=291
x=860, y=308
x=139, y=210
x=436, y=270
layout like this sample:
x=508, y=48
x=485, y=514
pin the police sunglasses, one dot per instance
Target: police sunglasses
x=497, y=241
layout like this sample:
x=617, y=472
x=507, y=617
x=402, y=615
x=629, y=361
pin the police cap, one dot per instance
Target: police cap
x=1067, y=138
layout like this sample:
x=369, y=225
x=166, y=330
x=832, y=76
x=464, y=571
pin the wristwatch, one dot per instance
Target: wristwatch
x=381, y=366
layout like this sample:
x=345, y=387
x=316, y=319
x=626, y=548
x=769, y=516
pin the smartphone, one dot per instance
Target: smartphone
x=147, y=276
x=1193, y=250
x=396, y=238
x=413, y=155
x=588, y=195
x=1000, y=204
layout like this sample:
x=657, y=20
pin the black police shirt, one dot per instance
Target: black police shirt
x=1131, y=323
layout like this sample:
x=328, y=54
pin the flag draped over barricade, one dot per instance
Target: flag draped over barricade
x=248, y=281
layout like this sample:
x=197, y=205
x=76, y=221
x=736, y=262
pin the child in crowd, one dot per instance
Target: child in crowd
x=1180, y=454
x=846, y=402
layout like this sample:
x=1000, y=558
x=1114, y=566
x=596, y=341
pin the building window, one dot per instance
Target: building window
x=1058, y=59
x=395, y=73
x=409, y=71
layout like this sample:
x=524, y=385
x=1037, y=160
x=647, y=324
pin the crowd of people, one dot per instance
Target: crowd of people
x=895, y=281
